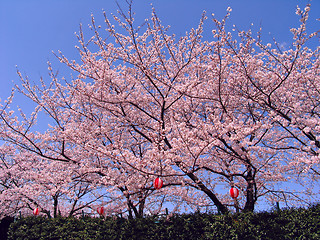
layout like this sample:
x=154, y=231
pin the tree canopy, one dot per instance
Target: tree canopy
x=201, y=114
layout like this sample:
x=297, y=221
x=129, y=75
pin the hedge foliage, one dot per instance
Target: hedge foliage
x=285, y=224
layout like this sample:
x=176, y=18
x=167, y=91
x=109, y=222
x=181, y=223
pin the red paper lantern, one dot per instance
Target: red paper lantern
x=234, y=192
x=158, y=183
x=36, y=211
x=100, y=210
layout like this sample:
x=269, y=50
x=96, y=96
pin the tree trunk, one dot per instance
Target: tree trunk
x=55, y=206
x=250, y=196
x=142, y=201
x=222, y=208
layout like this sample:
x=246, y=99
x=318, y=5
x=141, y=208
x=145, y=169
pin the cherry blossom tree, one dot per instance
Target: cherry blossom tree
x=58, y=155
x=230, y=112
x=36, y=170
x=29, y=181
x=282, y=88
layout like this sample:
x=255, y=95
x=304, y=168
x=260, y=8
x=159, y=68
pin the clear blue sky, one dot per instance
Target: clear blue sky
x=31, y=29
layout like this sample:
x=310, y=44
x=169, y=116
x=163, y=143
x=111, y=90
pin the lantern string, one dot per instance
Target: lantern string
x=161, y=143
x=160, y=161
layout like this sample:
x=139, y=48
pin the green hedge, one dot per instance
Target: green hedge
x=285, y=224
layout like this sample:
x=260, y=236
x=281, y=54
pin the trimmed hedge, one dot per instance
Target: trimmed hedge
x=285, y=224
x=4, y=226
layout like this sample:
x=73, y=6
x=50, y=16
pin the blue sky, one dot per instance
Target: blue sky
x=31, y=29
